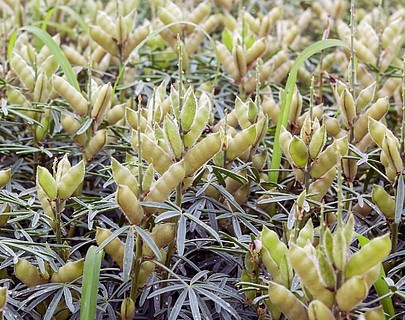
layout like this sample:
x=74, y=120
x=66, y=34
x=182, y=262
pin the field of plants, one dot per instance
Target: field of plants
x=216, y=159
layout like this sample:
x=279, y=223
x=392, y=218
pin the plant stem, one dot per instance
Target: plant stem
x=137, y=266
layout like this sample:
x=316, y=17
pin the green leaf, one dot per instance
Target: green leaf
x=57, y=53
x=91, y=274
x=288, y=94
x=227, y=39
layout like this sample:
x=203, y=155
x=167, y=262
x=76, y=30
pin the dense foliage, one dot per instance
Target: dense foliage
x=213, y=159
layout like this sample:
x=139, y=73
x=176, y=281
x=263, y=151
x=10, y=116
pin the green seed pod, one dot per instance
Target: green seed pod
x=121, y=31
x=318, y=311
x=365, y=97
x=298, y=152
x=364, y=53
x=383, y=201
x=242, y=111
x=129, y=205
x=348, y=108
x=104, y=40
x=74, y=56
x=328, y=244
x=71, y=124
x=106, y=23
x=239, y=59
x=188, y=111
x=41, y=90
x=326, y=270
x=258, y=48
x=132, y=119
x=376, y=111
x=351, y=293
x=71, y=95
x=123, y=176
x=241, y=142
x=127, y=309
x=63, y=167
x=47, y=182
x=202, y=152
x=28, y=274
x=24, y=72
x=270, y=240
x=327, y=159
x=5, y=176
x=269, y=263
x=14, y=96
x=306, y=130
x=146, y=269
x=164, y=233
x=305, y=266
x=375, y=314
x=115, y=114
x=285, y=300
x=167, y=18
x=339, y=249
x=3, y=297
x=200, y=122
x=322, y=185
x=226, y=59
x=95, y=145
x=115, y=248
x=199, y=14
x=40, y=131
x=172, y=136
x=71, y=180
x=390, y=32
x=296, y=106
x=332, y=126
x=372, y=275
x=377, y=131
x=69, y=272
x=164, y=186
x=148, y=178
x=306, y=234
x=102, y=103
x=134, y=39
x=317, y=142
x=49, y=66
x=271, y=109
x=46, y=204
x=368, y=256
x=390, y=146
x=152, y=153
x=4, y=209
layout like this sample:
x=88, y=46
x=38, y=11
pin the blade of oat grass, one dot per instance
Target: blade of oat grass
x=287, y=97
x=57, y=53
x=91, y=274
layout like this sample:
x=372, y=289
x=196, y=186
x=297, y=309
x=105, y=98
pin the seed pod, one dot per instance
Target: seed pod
x=115, y=113
x=69, y=272
x=351, y=293
x=167, y=18
x=3, y=297
x=375, y=314
x=104, y=40
x=239, y=59
x=74, y=56
x=365, y=97
x=127, y=309
x=318, y=311
x=339, y=249
x=49, y=66
x=41, y=90
x=306, y=268
x=95, y=145
x=285, y=300
x=29, y=274
x=164, y=234
x=255, y=51
x=317, y=142
x=134, y=39
x=188, y=111
x=227, y=61
x=298, y=152
x=326, y=270
x=71, y=180
x=202, y=152
x=121, y=31
x=270, y=240
x=269, y=263
x=306, y=234
x=269, y=20
x=377, y=131
x=383, y=201
x=46, y=182
x=200, y=122
x=322, y=185
x=106, y=23
x=390, y=146
x=115, y=248
x=24, y=72
x=172, y=136
x=63, y=167
x=5, y=176
x=71, y=95
x=296, y=106
x=199, y=14
x=376, y=111
x=101, y=103
x=123, y=176
x=364, y=53
x=164, y=186
x=71, y=124
x=332, y=126
x=368, y=256
x=242, y=111
x=132, y=119
x=348, y=108
x=390, y=32
x=389, y=87
x=152, y=153
x=241, y=142
x=129, y=205
x=14, y=96
x=146, y=269
x=327, y=159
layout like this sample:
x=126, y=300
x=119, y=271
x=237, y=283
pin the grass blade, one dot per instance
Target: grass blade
x=287, y=97
x=91, y=274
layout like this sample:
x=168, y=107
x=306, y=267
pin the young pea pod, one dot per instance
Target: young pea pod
x=123, y=176
x=242, y=113
x=167, y=18
x=29, y=274
x=202, y=152
x=134, y=39
x=102, y=103
x=121, y=32
x=200, y=122
x=390, y=32
x=71, y=180
x=115, y=114
x=163, y=234
x=5, y=176
x=239, y=60
x=47, y=182
x=365, y=97
x=383, y=201
x=146, y=269
x=296, y=106
x=375, y=314
x=172, y=135
x=63, y=167
x=368, y=256
x=104, y=40
x=339, y=249
x=298, y=152
x=114, y=248
x=106, y=23
x=188, y=111
x=285, y=300
x=24, y=72
x=127, y=311
x=71, y=124
x=317, y=142
x=227, y=61
x=256, y=51
x=326, y=269
x=95, y=145
x=270, y=240
x=71, y=95
x=241, y=142
x=390, y=146
x=304, y=264
x=318, y=311
x=199, y=14
x=306, y=234
x=348, y=108
x=129, y=205
x=41, y=90
x=69, y=272
x=351, y=293
x=377, y=131
x=322, y=185
x=375, y=111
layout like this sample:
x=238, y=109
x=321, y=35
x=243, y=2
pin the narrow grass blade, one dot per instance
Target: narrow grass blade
x=287, y=97
x=57, y=53
x=91, y=274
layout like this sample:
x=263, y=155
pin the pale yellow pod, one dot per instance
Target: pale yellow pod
x=386, y=57
x=69, y=272
x=71, y=180
x=5, y=176
x=365, y=97
x=129, y=204
x=71, y=95
x=41, y=90
x=123, y=176
x=29, y=274
x=134, y=39
x=241, y=142
x=102, y=103
x=50, y=65
x=121, y=31
x=199, y=14
x=104, y=40
x=253, y=23
x=296, y=106
x=389, y=87
x=364, y=76
x=46, y=204
x=269, y=20
x=74, y=56
x=342, y=29
x=239, y=59
x=95, y=145
x=368, y=36
x=390, y=32
x=227, y=61
x=364, y=53
x=164, y=186
x=321, y=185
x=167, y=18
x=290, y=36
x=71, y=124
x=278, y=75
x=24, y=72
x=318, y=311
x=106, y=23
x=14, y=96
x=391, y=148
x=351, y=293
x=258, y=48
x=116, y=113
x=115, y=248
x=271, y=109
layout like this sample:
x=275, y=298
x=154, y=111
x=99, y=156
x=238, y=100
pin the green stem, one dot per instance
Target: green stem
x=394, y=237
x=58, y=222
x=352, y=65
x=137, y=266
